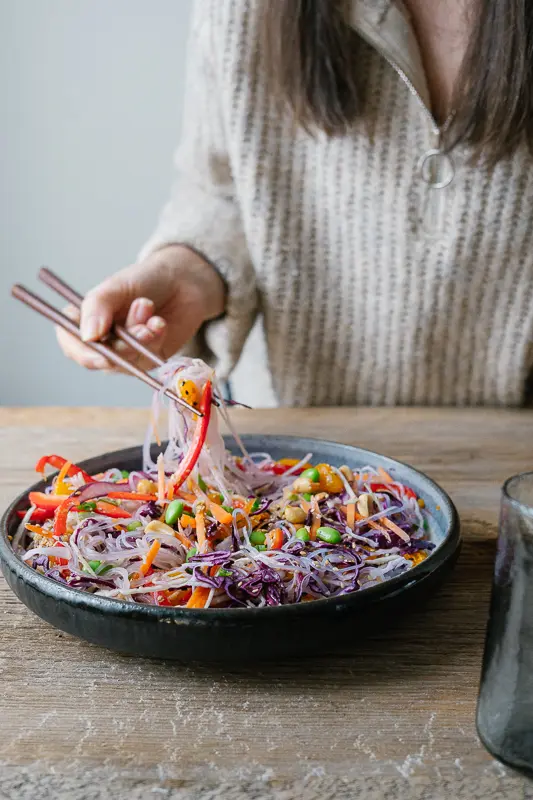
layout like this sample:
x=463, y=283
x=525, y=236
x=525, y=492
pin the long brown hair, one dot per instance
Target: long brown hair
x=311, y=62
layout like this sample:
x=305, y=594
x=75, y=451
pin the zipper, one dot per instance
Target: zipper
x=436, y=129
x=436, y=168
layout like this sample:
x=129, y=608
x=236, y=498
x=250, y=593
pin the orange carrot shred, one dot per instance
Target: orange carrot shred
x=38, y=529
x=315, y=525
x=222, y=516
x=149, y=558
x=385, y=477
x=189, y=498
x=199, y=597
x=398, y=531
x=200, y=531
x=186, y=542
x=350, y=515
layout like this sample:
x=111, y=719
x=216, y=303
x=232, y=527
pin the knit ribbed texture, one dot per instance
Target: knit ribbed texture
x=375, y=287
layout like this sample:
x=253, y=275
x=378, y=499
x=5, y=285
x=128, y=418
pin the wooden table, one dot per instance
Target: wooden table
x=391, y=716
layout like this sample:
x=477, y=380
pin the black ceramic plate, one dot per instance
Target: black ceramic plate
x=227, y=635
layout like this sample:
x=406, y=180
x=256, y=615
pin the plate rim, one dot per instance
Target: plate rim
x=444, y=553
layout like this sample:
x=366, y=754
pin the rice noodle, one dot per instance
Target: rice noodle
x=253, y=557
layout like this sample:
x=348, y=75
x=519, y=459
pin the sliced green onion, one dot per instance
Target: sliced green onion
x=89, y=505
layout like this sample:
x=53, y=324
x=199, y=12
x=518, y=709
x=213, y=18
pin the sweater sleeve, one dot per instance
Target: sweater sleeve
x=203, y=212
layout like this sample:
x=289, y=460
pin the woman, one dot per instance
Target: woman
x=360, y=173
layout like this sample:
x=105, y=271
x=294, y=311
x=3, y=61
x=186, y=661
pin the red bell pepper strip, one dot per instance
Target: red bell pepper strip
x=60, y=521
x=281, y=469
x=381, y=487
x=111, y=511
x=47, y=502
x=193, y=454
x=58, y=462
x=38, y=515
x=70, y=503
x=275, y=539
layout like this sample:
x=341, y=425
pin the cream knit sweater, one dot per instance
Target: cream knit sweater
x=375, y=286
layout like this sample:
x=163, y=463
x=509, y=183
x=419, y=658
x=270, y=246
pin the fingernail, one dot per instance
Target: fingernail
x=91, y=328
x=156, y=324
x=139, y=312
x=98, y=362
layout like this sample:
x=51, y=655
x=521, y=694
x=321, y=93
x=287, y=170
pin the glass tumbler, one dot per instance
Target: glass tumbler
x=505, y=702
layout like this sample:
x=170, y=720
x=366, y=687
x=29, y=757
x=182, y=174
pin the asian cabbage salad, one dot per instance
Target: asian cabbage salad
x=201, y=528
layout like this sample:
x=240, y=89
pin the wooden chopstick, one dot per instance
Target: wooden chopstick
x=54, y=282
x=51, y=313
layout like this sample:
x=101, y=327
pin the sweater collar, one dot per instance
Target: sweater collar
x=386, y=26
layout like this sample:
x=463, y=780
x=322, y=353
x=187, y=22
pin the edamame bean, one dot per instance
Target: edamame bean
x=303, y=535
x=329, y=535
x=258, y=537
x=174, y=512
x=311, y=474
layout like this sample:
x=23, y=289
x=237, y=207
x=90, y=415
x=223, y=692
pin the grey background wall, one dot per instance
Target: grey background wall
x=91, y=96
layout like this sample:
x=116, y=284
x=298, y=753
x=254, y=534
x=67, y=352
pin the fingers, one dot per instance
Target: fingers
x=152, y=335
x=140, y=312
x=103, y=305
x=76, y=350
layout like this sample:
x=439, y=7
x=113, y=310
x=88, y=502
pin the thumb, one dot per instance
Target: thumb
x=101, y=307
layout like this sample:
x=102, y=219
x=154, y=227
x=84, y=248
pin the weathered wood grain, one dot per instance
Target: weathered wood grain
x=390, y=716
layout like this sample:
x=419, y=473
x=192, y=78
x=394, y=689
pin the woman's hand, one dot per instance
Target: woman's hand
x=162, y=301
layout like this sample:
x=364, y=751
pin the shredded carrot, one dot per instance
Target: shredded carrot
x=305, y=506
x=199, y=597
x=189, y=498
x=186, y=542
x=222, y=516
x=385, y=477
x=160, y=478
x=170, y=492
x=187, y=521
x=150, y=555
x=141, y=496
x=350, y=515
x=201, y=538
x=38, y=529
x=397, y=530
x=316, y=519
